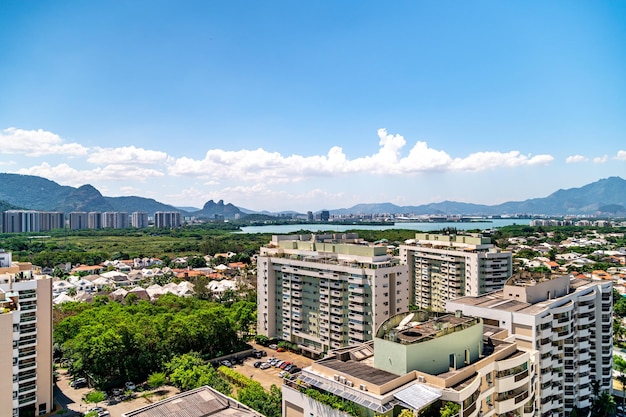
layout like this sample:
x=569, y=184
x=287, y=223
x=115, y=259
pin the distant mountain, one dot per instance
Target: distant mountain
x=132, y=203
x=4, y=206
x=187, y=209
x=606, y=196
x=589, y=199
x=212, y=209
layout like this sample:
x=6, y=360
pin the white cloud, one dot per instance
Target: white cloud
x=600, y=159
x=621, y=155
x=65, y=174
x=576, y=159
x=272, y=167
x=127, y=155
x=37, y=143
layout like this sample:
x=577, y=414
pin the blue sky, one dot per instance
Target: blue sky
x=314, y=105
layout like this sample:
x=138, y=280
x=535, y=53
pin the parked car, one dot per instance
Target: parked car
x=130, y=386
x=102, y=412
x=277, y=364
x=273, y=347
x=258, y=364
x=284, y=364
x=226, y=363
x=288, y=367
x=78, y=383
x=272, y=361
x=280, y=350
x=282, y=374
x=294, y=370
x=265, y=365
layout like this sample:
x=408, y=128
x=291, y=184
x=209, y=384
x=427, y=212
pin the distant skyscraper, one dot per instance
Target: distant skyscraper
x=139, y=219
x=20, y=221
x=309, y=216
x=79, y=220
x=167, y=219
x=115, y=220
x=94, y=220
x=324, y=215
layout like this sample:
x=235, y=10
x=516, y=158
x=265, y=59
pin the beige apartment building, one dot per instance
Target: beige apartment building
x=26, y=341
x=417, y=361
x=327, y=291
x=566, y=326
x=445, y=267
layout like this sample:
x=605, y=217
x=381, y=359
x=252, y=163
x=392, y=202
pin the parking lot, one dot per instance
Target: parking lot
x=267, y=377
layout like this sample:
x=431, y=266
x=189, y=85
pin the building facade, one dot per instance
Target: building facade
x=94, y=220
x=418, y=361
x=79, y=220
x=26, y=341
x=327, y=291
x=445, y=267
x=115, y=220
x=167, y=219
x=21, y=221
x=565, y=323
x=139, y=219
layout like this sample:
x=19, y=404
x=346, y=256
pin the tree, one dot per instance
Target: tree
x=406, y=413
x=71, y=291
x=450, y=409
x=156, y=379
x=95, y=397
x=604, y=405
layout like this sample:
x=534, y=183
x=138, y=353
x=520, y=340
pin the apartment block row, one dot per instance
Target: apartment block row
x=534, y=348
x=327, y=291
x=19, y=221
x=26, y=340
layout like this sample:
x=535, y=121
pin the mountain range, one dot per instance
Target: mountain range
x=604, y=197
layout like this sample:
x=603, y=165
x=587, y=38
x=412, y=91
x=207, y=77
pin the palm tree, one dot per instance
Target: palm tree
x=604, y=405
x=622, y=380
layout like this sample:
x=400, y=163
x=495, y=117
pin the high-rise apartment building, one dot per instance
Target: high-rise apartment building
x=327, y=291
x=167, y=219
x=115, y=220
x=444, y=267
x=25, y=341
x=421, y=362
x=94, y=220
x=20, y=221
x=79, y=220
x=139, y=219
x=565, y=323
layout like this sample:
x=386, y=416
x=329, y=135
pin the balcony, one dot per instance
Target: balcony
x=335, y=293
x=324, y=291
x=357, y=307
x=356, y=299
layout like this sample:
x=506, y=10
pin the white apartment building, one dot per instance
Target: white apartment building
x=421, y=361
x=327, y=291
x=167, y=219
x=79, y=220
x=94, y=220
x=115, y=220
x=20, y=221
x=445, y=267
x=565, y=323
x=26, y=341
x=139, y=219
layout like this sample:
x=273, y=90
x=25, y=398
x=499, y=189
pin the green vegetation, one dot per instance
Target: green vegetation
x=113, y=343
x=335, y=402
x=95, y=397
x=156, y=379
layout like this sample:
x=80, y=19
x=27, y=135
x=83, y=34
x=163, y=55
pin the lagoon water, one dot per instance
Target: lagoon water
x=422, y=227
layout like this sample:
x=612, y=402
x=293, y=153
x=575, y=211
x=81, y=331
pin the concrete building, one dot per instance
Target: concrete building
x=565, y=323
x=79, y=220
x=94, y=220
x=115, y=220
x=139, y=219
x=26, y=341
x=167, y=219
x=21, y=221
x=445, y=267
x=417, y=361
x=327, y=291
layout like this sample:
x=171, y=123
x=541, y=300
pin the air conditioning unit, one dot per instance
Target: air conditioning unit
x=421, y=379
x=336, y=377
x=363, y=387
x=342, y=379
x=349, y=383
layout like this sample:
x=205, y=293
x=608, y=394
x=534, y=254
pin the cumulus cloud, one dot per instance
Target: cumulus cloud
x=621, y=155
x=127, y=155
x=573, y=159
x=63, y=173
x=273, y=167
x=601, y=159
x=37, y=143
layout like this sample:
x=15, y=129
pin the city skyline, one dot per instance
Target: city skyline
x=282, y=106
